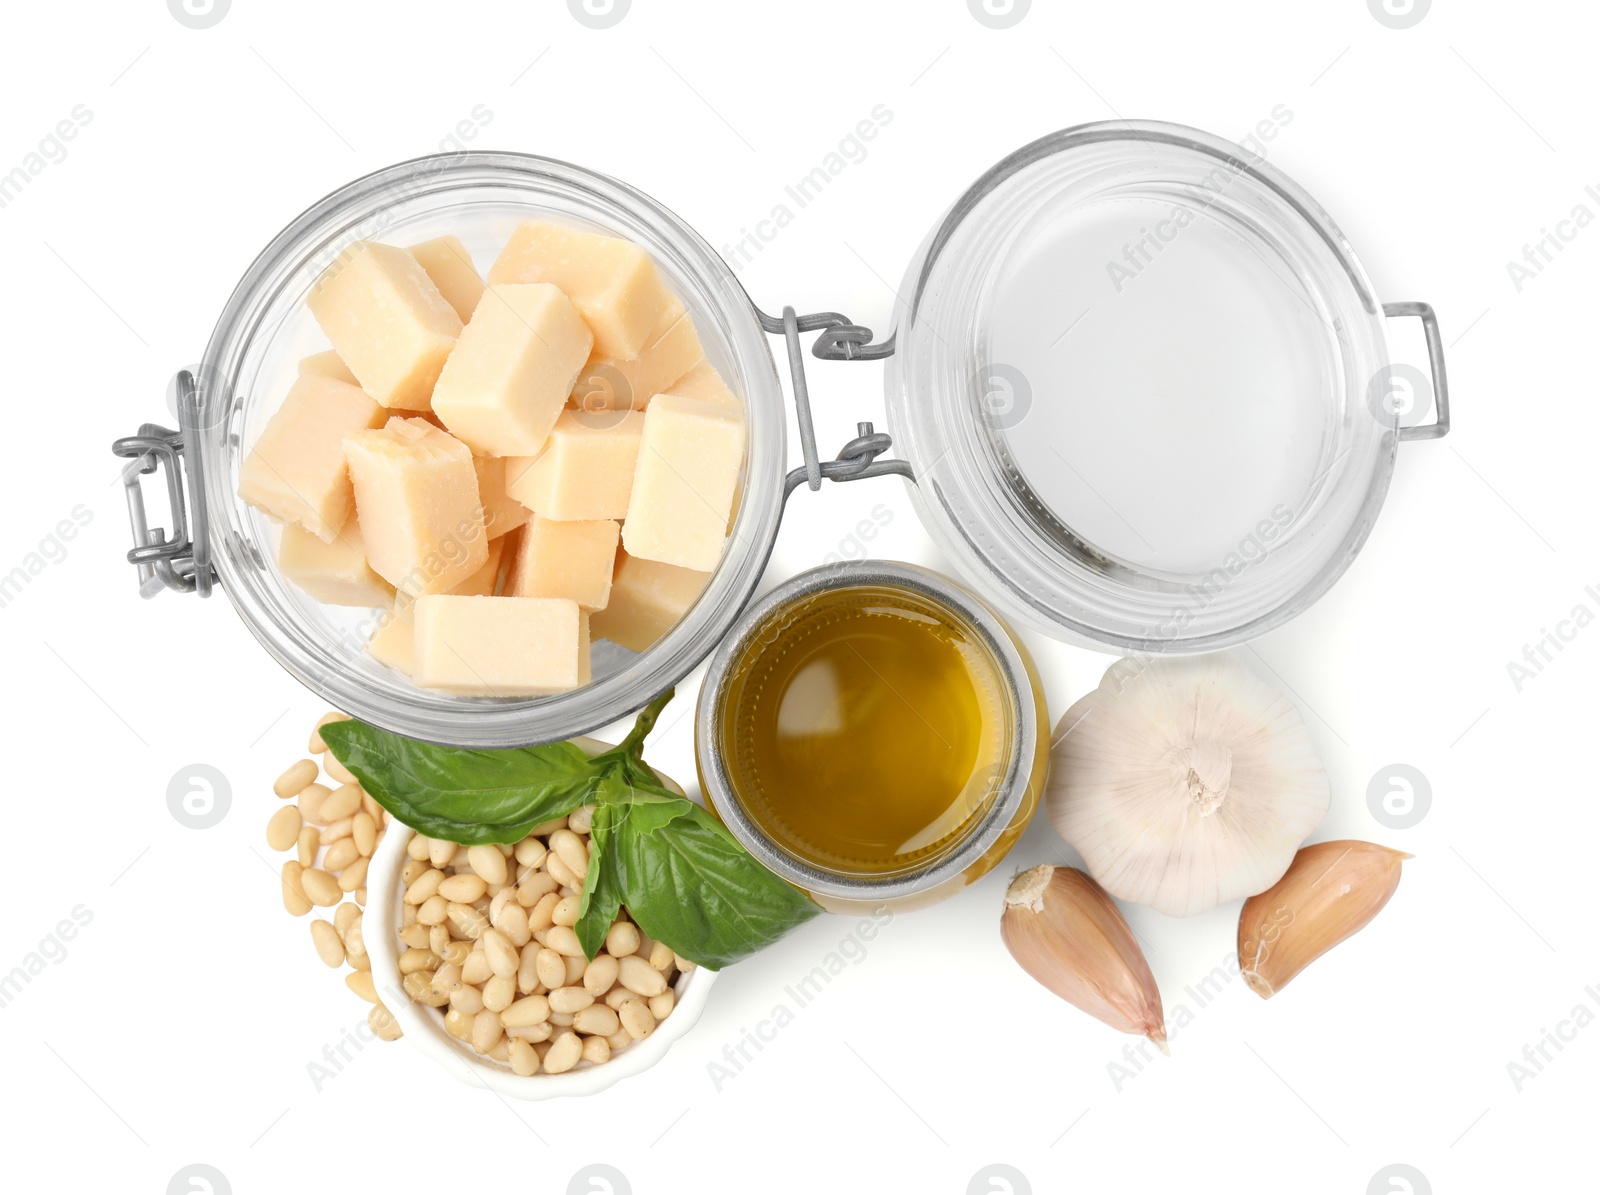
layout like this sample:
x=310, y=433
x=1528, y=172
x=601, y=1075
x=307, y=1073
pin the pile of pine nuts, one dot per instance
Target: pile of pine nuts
x=488, y=937
x=333, y=832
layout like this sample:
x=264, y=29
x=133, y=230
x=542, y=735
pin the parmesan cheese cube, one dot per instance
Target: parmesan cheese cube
x=673, y=349
x=393, y=644
x=501, y=512
x=296, y=472
x=705, y=383
x=448, y=263
x=337, y=572
x=417, y=499
x=500, y=646
x=387, y=321
x=509, y=378
x=327, y=365
x=586, y=469
x=482, y=583
x=570, y=560
x=689, y=458
x=647, y=598
x=611, y=281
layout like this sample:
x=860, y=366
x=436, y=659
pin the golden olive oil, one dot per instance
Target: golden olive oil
x=865, y=729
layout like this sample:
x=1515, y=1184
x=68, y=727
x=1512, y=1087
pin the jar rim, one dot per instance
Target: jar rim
x=1019, y=702
x=395, y=194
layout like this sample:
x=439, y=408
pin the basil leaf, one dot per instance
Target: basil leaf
x=463, y=795
x=687, y=882
x=602, y=888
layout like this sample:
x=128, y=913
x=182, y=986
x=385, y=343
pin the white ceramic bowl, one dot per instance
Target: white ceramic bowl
x=424, y=1027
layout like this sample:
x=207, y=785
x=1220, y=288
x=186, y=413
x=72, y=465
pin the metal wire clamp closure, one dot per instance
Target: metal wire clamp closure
x=841, y=340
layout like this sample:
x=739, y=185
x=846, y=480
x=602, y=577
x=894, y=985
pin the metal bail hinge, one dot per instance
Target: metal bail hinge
x=841, y=340
x=178, y=561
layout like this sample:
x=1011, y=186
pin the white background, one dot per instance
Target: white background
x=178, y=1027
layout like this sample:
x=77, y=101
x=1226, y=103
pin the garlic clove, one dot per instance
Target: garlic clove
x=1068, y=934
x=1330, y=891
x=1185, y=782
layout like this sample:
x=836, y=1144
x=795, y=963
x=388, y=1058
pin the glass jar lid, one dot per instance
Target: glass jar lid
x=1131, y=374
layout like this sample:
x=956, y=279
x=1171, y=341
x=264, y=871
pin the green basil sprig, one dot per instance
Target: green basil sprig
x=682, y=877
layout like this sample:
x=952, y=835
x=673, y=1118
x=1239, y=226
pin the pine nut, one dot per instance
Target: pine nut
x=355, y=944
x=433, y=911
x=310, y=801
x=295, y=777
x=417, y=848
x=637, y=1019
x=476, y=969
x=371, y=808
x=440, y=852
x=524, y=1058
x=542, y=915
x=550, y=967
x=562, y=940
x=295, y=901
x=486, y=1031
x=332, y=766
x=563, y=875
x=412, y=871
x=638, y=976
x=335, y=831
x=343, y=916
x=340, y=855
x=581, y=819
x=382, y=1023
x=361, y=962
x=499, y=900
x=360, y=982
x=616, y=996
x=415, y=960
x=453, y=952
x=619, y=1039
x=571, y=851
x=530, y=852
x=533, y=1033
x=283, y=828
x=596, y=1050
x=564, y=1053
x=545, y=829
x=361, y=895
x=597, y=1019
x=503, y=959
x=566, y=911
x=622, y=939
x=365, y=832
x=530, y=1010
x=575, y=969
x=467, y=999
x=513, y=923
x=459, y=1025
x=499, y=992
x=447, y=978
x=343, y=802
x=438, y=939
x=569, y=999
x=354, y=875
x=467, y=921
x=306, y=848
x=488, y=862
x=527, y=968
x=317, y=746
x=599, y=975
x=424, y=886
x=463, y=889
x=326, y=939
x=415, y=936
x=684, y=965
x=662, y=1005
x=661, y=957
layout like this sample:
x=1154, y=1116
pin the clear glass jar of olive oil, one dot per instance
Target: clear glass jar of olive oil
x=875, y=734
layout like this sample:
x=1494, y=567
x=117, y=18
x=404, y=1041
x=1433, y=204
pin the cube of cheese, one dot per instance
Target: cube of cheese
x=689, y=459
x=571, y=559
x=450, y=266
x=647, y=598
x=704, y=382
x=613, y=282
x=393, y=643
x=509, y=378
x=387, y=321
x=327, y=365
x=501, y=512
x=337, y=572
x=296, y=469
x=482, y=583
x=417, y=499
x=500, y=646
x=585, y=471
x=673, y=349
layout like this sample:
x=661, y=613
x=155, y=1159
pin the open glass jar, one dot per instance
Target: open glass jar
x=1197, y=470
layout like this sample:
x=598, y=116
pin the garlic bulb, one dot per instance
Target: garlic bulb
x=1185, y=782
x=1066, y=933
